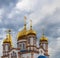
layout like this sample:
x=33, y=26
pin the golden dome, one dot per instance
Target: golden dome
x=22, y=33
x=8, y=38
x=43, y=38
x=31, y=31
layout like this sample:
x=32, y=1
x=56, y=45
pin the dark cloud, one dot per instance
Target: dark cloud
x=7, y=3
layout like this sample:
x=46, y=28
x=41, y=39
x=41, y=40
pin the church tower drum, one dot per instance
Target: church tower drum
x=31, y=38
x=31, y=41
x=7, y=44
x=21, y=37
x=44, y=44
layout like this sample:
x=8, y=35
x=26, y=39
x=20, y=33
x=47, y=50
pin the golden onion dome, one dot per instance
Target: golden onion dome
x=7, y=41
x=43, y=38
x=24, y=31
x=8, y=38
x=31, y=31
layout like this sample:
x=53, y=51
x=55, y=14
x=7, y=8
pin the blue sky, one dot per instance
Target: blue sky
x=43, y=13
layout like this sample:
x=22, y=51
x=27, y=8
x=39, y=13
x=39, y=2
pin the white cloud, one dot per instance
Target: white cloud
x=40, y=9
x=45, y=10
x=54, y=47
x=26, y=5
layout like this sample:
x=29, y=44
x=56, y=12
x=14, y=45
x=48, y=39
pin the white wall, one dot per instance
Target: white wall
x=26, y=55
x=16, y=51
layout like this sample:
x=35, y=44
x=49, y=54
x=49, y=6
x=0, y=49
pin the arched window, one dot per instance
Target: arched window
x=29, y=41
x=24, y=46
x=13, y=55
x=41, y=52
x=6, y=47
x=34, y=41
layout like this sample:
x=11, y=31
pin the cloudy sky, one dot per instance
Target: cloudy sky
x=43, y=13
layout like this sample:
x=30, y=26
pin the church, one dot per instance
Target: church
x=26, y=44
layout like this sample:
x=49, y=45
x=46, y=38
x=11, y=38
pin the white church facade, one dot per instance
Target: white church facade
x=26, y=45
